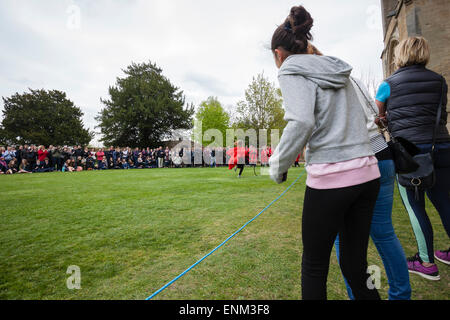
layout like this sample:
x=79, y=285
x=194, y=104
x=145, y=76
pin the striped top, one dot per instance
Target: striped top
x=378, y=143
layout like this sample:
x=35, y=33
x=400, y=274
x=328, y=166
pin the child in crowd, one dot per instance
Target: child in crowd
x=67, y=167
x=125, y=164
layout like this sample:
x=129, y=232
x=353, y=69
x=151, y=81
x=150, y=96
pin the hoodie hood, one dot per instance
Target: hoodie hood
x=327, y=72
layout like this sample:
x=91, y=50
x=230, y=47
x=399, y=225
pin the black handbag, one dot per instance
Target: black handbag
x=403, y=151
x=424, y=177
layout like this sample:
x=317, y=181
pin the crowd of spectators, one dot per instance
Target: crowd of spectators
x=31, y=158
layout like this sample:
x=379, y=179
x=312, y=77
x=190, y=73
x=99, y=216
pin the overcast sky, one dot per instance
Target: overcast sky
x=207, y=48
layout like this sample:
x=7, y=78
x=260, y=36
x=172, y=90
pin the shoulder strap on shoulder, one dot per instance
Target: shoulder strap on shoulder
x=439, y=114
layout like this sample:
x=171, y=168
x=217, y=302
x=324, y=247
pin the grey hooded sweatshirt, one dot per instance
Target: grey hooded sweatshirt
x=323, y=112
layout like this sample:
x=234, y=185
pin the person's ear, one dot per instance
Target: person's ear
x=279, y=55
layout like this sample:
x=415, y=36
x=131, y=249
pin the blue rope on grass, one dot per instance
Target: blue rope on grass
x=228, y=239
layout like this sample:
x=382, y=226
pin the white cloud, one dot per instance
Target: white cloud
x=207, y=48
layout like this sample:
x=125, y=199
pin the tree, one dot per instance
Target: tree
x=43, y=117
x=3, y=140
x=143, y=109
x=213, y=117
x=262, y=108
x=371, y=82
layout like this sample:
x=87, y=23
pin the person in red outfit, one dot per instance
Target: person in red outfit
x=269, y=152
x=237, y=157
x=253, y=155
x=264, y=157
x=298, y=159
x=100, y=155
x=42, y=154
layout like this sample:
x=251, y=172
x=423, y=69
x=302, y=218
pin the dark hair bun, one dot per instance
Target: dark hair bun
x=294, y=34
x=301, y=22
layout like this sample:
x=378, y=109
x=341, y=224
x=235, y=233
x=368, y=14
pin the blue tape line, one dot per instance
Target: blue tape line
x=228, y=239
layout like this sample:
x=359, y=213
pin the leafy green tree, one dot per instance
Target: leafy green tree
x=144, y=108
x=213, y=117
x=43, y=117
x=262, y=108
x=3, y=140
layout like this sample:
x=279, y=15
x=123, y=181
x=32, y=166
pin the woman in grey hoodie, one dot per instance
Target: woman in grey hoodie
x=324, y=114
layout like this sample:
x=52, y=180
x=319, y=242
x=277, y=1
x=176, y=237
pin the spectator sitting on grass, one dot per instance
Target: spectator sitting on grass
x=104, y=164
x=154, y=162
x=125, y=164
x=140, y=163
x=40, y=166
x=81, y=162
x=90, y=163
x=3, y=165
x=11, y=167
x=110, y=163
x=67, y=167
x=147, y=162
x=46, y=166
x=118, y=164
x=24, y=167
x=37, y=166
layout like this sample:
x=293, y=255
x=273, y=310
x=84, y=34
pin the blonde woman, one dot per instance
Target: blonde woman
x=409, y=101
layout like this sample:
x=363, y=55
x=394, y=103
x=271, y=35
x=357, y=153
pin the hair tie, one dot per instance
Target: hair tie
x=288, y=26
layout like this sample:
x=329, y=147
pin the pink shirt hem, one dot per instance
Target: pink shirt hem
x=342, y=174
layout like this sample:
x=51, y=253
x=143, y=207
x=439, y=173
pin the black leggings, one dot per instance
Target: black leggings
x=241, y=167
x=327, y=213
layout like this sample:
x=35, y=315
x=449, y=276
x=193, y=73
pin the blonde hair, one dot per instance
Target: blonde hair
x=412, y=51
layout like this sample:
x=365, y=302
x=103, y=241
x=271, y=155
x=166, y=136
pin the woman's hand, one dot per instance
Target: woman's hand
x=381, y=121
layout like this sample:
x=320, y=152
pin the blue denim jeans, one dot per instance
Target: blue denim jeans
x=384, y=237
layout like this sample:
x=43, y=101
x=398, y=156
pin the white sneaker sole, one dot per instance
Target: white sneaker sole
x=443, y=261
x=432, y=278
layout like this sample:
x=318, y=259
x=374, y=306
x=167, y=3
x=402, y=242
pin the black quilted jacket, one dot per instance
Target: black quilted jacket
x=413, y=104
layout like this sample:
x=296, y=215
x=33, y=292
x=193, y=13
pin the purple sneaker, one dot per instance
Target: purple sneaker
x=415, y=266
x=443, y=256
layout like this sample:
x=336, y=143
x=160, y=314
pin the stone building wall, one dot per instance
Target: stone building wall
x=427, y=18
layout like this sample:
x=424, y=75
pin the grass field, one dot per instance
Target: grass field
x=131, y=232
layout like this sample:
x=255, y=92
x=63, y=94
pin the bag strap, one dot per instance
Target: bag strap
x=385, y=127
x=439, y=115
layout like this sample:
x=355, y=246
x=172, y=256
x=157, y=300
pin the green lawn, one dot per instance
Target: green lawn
x=131, y=232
